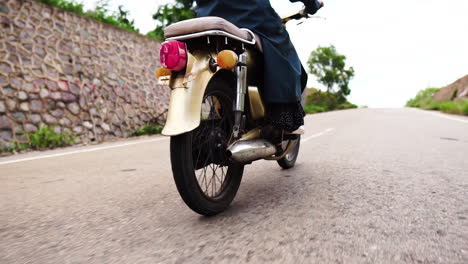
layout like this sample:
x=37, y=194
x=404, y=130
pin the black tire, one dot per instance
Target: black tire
x=289, y=160
x=208, y=142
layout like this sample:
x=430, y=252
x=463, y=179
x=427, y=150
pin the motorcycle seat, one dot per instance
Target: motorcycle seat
x=205, y=24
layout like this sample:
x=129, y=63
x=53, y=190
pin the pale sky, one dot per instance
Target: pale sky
x=396, y=47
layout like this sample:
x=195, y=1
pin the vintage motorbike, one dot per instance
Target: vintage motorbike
x=216, y=116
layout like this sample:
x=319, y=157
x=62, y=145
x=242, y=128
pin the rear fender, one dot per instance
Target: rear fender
x=187, y=90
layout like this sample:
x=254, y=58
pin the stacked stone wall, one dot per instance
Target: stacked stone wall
x=74, y=74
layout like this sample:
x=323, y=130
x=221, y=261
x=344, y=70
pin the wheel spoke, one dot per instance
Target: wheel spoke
x=210, y=183
x=222, y=174
x=198, y=156
x=206, y=182
x=214, y=129
x=216, y=175
x=201, y=178
x=213, y=180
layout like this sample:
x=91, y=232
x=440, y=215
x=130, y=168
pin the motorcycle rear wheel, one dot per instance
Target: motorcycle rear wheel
x=205, y=178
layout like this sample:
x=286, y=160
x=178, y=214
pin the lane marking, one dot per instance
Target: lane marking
x=317, y=135
x=443, y=116
x=84, y=150
x=124, y=145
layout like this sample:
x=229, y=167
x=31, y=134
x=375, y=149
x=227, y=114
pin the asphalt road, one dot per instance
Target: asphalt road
x=370, y=186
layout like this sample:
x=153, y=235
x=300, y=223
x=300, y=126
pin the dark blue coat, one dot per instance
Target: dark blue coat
x=284, y=76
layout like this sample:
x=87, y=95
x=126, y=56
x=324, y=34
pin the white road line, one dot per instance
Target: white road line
x=316, y=135
x=84, y=150
x=444, y=116
x=123, y=145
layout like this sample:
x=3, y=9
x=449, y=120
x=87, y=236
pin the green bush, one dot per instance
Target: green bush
x=148, y=129
x=346, y=105
x=446, y=106
x=46, y=137
x=118, y=19
x=15, y=147
x=464, y=106
x=424, y=97
x=328, y=101
x=68, y=5
x=100, y=13
x=425, y=101
x=429, y=105
x=312, y=109
x=455, y=107
x=318, y=101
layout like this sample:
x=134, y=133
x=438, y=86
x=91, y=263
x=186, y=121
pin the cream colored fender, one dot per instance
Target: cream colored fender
x=187, y=90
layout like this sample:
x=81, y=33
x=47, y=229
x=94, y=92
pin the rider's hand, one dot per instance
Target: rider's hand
x=311, y=6
x=321, y=3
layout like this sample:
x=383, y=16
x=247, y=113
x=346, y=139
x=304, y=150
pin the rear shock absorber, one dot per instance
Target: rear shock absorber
x=239, y=104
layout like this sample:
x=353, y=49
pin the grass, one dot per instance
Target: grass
x=346, y=105
x=148, y=129
x=452, y=107
x=43, y=138
x=423, y=98
x=71, y=6
x=46, y=137
x=15, y=147
x=312, y=109
x=424, y=101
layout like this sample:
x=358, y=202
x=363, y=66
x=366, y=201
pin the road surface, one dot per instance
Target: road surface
x=370, y=186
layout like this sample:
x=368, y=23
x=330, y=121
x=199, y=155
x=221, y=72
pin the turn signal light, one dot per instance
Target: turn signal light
x=161, y=72
x=173, y=55
x=227, y=59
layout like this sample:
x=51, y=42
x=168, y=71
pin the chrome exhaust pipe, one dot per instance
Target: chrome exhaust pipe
x=250, y=150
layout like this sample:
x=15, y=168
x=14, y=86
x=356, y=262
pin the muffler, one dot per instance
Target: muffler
x=250, y=150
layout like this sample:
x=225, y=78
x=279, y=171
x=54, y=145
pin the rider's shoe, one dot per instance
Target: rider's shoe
x=299, y=131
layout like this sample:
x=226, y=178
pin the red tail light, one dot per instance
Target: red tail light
x=173, y=55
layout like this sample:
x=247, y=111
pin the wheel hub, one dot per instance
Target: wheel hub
x=217, y=144
x=213, y=148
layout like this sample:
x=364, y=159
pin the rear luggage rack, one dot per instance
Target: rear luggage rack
x=217, y=33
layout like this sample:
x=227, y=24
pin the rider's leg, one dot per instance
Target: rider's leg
x=288, y=117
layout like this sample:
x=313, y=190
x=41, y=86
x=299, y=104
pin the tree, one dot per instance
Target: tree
x=330, y=69
x=119, y=19
x=171, y=13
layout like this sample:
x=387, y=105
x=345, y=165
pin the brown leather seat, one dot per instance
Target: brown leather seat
x=196, y=25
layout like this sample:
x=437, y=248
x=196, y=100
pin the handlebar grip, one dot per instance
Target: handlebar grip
x=311, y=6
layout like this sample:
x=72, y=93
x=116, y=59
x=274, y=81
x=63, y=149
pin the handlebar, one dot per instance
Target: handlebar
x=295, y=16
x=310, y=7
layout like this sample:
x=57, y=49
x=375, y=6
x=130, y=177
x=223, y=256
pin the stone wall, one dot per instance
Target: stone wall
x=74, y=74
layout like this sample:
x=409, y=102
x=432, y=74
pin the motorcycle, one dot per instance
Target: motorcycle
x=216, y=115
